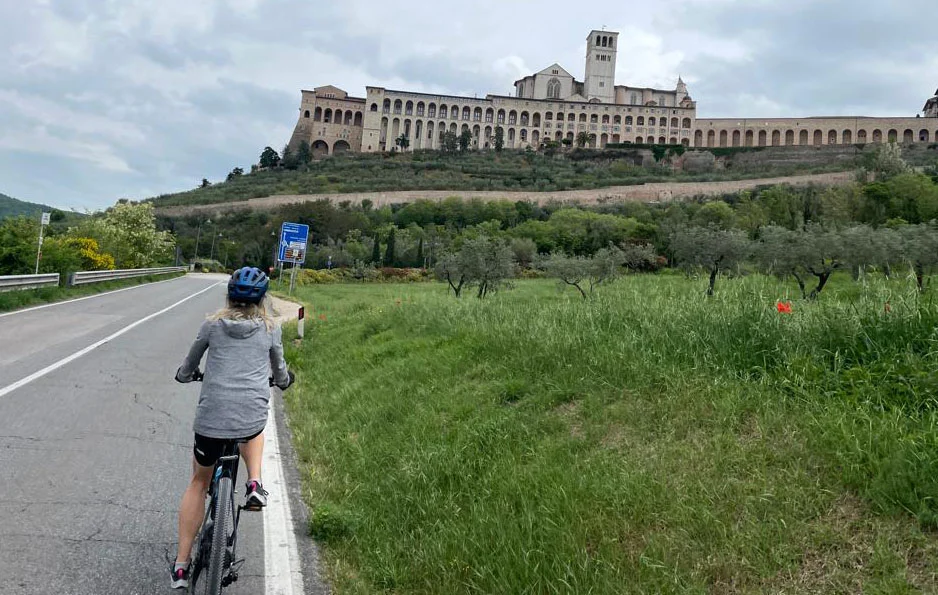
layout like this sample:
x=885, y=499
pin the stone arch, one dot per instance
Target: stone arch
x=789, y=138
x=489, y=115
x=639, y=141
x=818, y=138
x=685, y=142
x=723, y=138
x=524, y=135
x=477, y=114
x=571, y=117
x=535, y=137
x=628, y=120
x=476, y=134
x=673, y=140
x=409, y=108
x=651, y=121
x=327, y=116
x=603, y=140
x=832, y=137
x=465, y=128
x=763, y=138
x=640, y=121
x=398, y=106
x=749, y=138
x=536, y=120
x=615, y=139
x=548, y=116
x=674, y=123
x=525, y=118
x=317, y=114
x=685, y=123
x=349, y=116
x=340, y=146
x=359, y=118
x=558, y=136
x=605, y=119
x=698, y=138
x=893, y=135
x=443, y=110
x=846, y=137
x=431, y=110
x=374, y=107
x=501, y=116
x=319, y=149
x=418, y=134
x=776, y=138
x=923, y=135
x=736, y=136
x=583, y=118
x=861, y=137
x=466, y=113
x=306, y=114
x=877, y=135
x=511, y=137
x=594, y=118
x=383, y=131
x=395, y=131
x=421, y=107
x=488, y=136
x=431, y=128
x=661, y=140
x=908, y=136
x=803, y=137
x=711, y=138
x=512, y=117
x=616, y=120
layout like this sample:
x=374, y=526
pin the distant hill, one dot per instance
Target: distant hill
x=11, y=207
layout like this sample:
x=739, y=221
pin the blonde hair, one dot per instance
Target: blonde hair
x=262, y=311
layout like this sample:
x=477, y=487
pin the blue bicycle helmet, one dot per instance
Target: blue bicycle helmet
x=247, y=284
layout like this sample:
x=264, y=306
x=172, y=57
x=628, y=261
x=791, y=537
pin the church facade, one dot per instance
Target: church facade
x=553, y=105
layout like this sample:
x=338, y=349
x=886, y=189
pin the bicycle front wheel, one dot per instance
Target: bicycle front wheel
x=218, y=557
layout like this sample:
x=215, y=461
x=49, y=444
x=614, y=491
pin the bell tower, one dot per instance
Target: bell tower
x=599, y=83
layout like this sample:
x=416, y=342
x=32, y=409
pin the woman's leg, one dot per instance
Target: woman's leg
x=192, y=510
x=253, y=453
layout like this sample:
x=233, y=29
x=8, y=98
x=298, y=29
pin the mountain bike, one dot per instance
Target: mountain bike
x=215, y=562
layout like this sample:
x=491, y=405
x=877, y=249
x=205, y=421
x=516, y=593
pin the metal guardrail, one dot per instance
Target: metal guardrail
x=85, y=277
x=11, y=282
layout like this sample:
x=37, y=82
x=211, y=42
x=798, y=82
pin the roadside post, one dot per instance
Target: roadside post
x=43, y=221
x=300, y=320
x=293, y=240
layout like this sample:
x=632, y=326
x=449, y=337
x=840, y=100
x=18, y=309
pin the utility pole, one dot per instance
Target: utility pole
x=43, y=221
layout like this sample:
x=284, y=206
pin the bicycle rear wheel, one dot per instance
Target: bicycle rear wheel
x=209, y=565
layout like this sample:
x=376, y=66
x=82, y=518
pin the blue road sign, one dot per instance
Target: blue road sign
x=293, y=240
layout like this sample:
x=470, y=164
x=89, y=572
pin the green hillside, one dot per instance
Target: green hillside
x=512, y=170
x=11, y=207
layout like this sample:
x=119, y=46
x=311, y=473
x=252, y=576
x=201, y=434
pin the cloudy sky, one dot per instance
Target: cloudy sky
x=103, y=99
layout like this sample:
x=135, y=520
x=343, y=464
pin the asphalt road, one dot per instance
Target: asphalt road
x=95, y=454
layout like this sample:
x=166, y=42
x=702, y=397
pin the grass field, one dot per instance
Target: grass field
x=14, y=300
x=649, y=440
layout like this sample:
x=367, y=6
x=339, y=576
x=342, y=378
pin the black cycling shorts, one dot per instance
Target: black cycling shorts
x=207, y=450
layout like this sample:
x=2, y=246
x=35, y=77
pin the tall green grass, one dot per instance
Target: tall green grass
x=649, y=440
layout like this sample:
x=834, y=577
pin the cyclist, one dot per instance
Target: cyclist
x=244, y=350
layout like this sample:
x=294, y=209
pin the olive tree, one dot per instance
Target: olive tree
x=709, y=248
x=814, y=251
x=482, y=261
x=920, y=249
x=591, y=271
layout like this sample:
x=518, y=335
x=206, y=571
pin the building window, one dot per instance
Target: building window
x=602, y=84
x=555, y=71
x=553, y=89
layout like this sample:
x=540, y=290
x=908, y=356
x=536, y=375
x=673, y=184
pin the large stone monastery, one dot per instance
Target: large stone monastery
x=552, y=104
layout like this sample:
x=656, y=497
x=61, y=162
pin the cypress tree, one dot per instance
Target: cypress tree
x=389, y=253
x=420, y=253
x=376, y=250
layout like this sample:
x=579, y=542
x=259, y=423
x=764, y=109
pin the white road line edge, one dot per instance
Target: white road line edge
x=87, y=297
x=55, y=366
x=284, y=573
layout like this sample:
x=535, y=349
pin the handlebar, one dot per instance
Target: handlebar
x=198, y=376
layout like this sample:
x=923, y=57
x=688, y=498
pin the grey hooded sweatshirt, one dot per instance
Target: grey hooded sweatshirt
x=242, y=355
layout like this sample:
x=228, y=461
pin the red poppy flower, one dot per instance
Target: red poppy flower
x=322, y=317
x=783, y=307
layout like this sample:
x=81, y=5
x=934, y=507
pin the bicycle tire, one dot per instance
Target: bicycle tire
x=216, y=562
